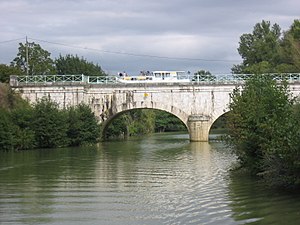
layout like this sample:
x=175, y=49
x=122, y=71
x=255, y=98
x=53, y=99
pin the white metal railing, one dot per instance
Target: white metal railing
x=196, y=79
x=50, y=78
x=101, y=79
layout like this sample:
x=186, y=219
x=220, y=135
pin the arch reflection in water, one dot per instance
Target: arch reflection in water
x=159, y=179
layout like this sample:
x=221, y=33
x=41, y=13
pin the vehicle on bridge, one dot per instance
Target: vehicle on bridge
x=155, y=77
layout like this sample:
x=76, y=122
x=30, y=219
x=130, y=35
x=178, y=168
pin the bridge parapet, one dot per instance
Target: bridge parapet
x=194, y=79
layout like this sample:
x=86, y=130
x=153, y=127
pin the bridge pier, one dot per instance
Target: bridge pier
x=199, y=126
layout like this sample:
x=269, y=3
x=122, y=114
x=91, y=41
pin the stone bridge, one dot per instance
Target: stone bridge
x=197, y=105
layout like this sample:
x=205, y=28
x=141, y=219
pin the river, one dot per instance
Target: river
x=157, y=179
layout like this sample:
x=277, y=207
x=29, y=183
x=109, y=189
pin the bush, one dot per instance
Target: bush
x=49, y=124
x=83, y=126
x=264, y=131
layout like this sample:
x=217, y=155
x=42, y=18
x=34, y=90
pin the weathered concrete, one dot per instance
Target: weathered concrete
x=198, y=106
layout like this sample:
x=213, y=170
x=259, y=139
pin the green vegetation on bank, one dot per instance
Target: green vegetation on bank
x=43, y=125
x=263, y=123
x=264, y=128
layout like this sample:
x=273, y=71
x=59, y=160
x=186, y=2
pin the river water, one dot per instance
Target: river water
x=158, y=179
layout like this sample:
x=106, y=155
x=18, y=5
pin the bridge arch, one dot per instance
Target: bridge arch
x=218, y=121
x=217, y=114
x=123, y=108
x=182, y=115
x=106, y=124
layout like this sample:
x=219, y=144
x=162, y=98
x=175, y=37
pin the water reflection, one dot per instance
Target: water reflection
x=160, y=179
x=253, y=203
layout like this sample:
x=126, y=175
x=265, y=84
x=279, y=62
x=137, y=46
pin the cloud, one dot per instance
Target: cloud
x=104, y=31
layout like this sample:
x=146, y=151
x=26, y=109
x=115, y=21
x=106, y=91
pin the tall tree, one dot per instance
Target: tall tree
x=260, y=46
x=70, y=64
x=290, y=51
x=39, y=61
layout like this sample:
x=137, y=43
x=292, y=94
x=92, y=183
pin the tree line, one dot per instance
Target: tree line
x=32, y=59
x=44, y=124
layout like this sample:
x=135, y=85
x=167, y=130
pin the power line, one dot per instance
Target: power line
x=134, y=54
x=12, y=40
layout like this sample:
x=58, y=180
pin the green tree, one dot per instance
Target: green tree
x=262, y=45
x=6, y=71
x=15, y=132
x=24, y=135
x=253, y=113
x=49, y=124
x=7, y=130
x=16, y=114
x=141, y=122
x=39, y=61
x=9, y=99
x=290, y=49
x=131, y=123
x=165, y=122
x=118, y=127
x=83, y=126
x=264, y=130
x=203, y=75
x=70, y=64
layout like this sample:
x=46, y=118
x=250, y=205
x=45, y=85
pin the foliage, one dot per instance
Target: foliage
x=142, y=121
x=165, y=122
x=290, y=51
x=49, y=124
x=131, y=123
x=117, y=127
x=24, y=136
x=264, y=131
x=39, y=61
x=43, y=125
x=83, y=126
x=16, y=119
x=70, y=64
x=6, y=71
x=266, y=50
x=261, y=45
x=6, y=131
x=9, y=99
x=203, y=75
x=15, y=133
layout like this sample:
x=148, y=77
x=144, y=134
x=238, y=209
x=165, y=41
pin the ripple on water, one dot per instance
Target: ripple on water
x=142, y=181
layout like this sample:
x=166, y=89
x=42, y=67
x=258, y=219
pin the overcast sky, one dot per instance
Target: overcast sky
x=135, y=35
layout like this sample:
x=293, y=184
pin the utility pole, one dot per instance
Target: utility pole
x=27, y=64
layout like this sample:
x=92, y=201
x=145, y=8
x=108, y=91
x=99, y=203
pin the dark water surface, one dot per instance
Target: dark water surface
x=159, y=179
